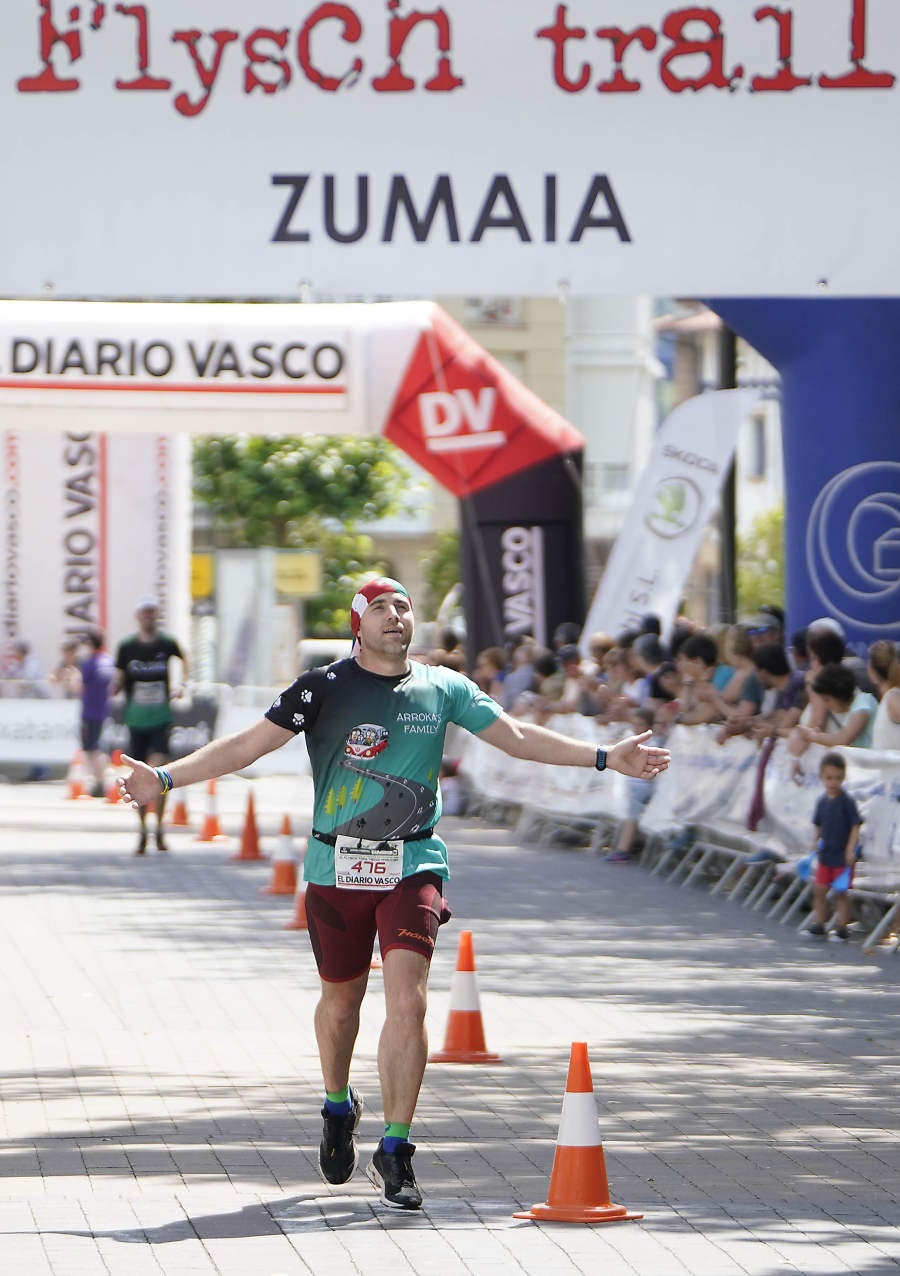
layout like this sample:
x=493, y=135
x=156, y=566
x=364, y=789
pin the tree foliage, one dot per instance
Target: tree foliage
x=302, y=492
x=760, y=562
x=442, y=571
x=279, y=491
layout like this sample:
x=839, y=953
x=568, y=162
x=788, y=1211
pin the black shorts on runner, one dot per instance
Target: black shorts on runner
x=144, y=744
x=343, y=923
x=91, y=731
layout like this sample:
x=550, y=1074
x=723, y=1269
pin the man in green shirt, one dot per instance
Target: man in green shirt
x=375, y=726
x=142, y=672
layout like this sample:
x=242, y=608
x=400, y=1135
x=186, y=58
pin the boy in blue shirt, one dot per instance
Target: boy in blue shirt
x=836, y=824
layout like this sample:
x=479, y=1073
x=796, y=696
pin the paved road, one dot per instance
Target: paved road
x=160, y=1089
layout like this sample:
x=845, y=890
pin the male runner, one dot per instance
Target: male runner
x=375, y=724
x=142, y=671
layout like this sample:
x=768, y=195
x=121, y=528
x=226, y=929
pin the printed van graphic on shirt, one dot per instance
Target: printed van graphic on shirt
x=366, y=741
x=405, y=806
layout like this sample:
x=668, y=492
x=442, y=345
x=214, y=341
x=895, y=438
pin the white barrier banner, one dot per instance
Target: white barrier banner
x=706, y=772
x=184, y=148
x=708, y=782
x=676, y=494
x=39, y=732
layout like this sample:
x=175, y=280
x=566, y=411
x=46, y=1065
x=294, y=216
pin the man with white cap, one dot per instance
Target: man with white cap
x=374, y=725
x=142, y=672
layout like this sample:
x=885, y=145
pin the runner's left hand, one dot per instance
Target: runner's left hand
x=633, y=756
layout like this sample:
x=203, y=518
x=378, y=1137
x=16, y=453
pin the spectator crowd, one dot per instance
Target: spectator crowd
x=747, y=679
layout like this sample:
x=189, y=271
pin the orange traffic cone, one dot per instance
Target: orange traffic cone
x=76, y=777
x=250, y=835
x=579, y=1191
x=464, y=1042
x=212, y=829
x=112, y=789
x=298, y=921
x=179, y=818
x=284, y=866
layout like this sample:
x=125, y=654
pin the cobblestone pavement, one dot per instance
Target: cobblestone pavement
x=160, y=1086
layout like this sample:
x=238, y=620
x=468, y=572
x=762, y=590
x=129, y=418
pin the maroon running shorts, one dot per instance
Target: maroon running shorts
x=343, y=924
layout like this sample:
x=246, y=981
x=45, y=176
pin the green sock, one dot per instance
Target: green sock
x=394, y=1133
x=337, y=1102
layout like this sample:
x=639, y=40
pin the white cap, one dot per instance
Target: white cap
x=827, y=622
x=146, y=601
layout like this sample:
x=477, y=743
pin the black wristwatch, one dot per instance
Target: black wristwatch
x=600, y=763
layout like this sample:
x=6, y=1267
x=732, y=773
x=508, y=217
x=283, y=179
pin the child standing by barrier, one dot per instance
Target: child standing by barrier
x=836, y=823
x=639, y=794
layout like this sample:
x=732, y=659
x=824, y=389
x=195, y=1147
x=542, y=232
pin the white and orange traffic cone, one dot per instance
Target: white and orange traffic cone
x=298, y=921
x=250, y=835
x=284, y=866
x=179, y=819
x=579, y=1191
x=76, y=777
x=112, y=789
x=111, y=793
x=211, y=830
x=464, y=1041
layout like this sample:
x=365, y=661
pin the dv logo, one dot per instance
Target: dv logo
x=459, y=420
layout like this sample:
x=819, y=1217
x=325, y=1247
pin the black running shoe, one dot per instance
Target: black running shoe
x=161, y=841
x=392, y=1174
x=141, y=848
x=337, y=1151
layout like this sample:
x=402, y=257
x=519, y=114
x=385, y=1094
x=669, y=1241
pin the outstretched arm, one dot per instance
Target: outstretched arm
x=632, y=756
x=853, y=727
x=219, y=757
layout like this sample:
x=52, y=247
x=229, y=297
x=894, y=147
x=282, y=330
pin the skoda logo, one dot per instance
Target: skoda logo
x=676, y=504
x=853, y=545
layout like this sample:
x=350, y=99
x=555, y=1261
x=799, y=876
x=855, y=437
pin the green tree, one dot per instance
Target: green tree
x=442, y=571
x=760, y=562
x=303, y=492
x=273, y=491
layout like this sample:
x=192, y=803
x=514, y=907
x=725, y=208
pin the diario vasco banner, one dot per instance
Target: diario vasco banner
x=163, y=149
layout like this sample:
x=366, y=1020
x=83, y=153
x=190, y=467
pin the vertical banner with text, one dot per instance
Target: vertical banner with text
x=522, y=554
x=675, y=496
x=91, y=522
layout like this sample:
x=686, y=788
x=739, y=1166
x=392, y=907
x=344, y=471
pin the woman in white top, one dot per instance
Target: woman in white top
x=884, y=670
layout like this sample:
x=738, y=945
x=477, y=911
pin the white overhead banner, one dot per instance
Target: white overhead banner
x=95, y=488
x=676, y=494
x=403, y=369
x=183, y=148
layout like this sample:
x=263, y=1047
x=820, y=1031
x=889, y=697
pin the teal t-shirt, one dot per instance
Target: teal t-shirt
x=375, y=744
